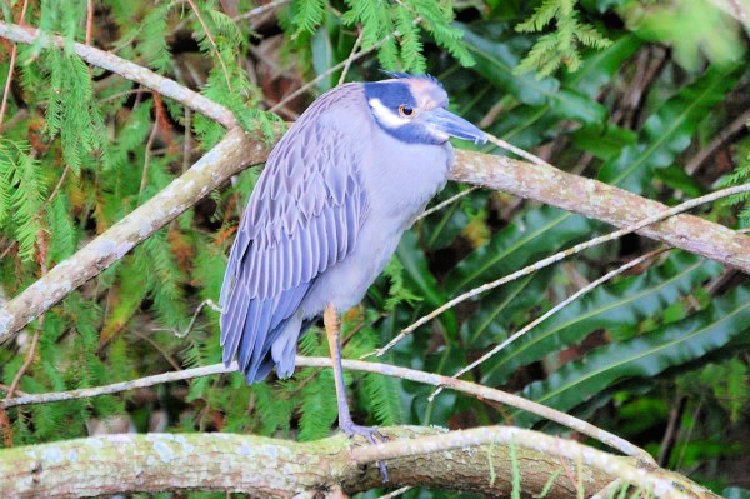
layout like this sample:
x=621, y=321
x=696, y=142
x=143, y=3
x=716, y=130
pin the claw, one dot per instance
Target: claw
x=372, y=435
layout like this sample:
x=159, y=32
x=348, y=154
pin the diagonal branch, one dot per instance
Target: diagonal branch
x=127, y=69
x=603, y=202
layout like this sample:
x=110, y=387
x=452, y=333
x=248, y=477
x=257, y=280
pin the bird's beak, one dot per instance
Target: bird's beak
x=446, y=123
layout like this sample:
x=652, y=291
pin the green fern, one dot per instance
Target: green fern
x=71, y=110
x=561, y=47
x=307, y=15
x=22, y=192
x=741, y=175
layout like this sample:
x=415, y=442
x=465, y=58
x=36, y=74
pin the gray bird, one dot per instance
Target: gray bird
x=337, y=192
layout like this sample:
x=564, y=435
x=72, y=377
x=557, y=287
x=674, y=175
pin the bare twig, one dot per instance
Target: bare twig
x=164, y=353
x=445, y=203
x=517, y=151
x=12, y=65
x=129, y=70
x=353, y=57
x=260, y=10
x=531, y=325
x=147, y=156
x=181, y=334
x=8, y=80
x=725, y=134
x=479, y=391
x=89, y=20
x=348, y=61
x=687, y=205
x=212, y=42
x=7, y=431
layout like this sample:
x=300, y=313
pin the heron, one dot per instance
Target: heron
x=336, y=194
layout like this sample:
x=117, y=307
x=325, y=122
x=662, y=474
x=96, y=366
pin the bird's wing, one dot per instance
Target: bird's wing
x=303, y=216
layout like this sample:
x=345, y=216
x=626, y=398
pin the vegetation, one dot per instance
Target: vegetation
x=649, y=97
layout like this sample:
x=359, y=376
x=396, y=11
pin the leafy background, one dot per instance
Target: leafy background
x=650, y=97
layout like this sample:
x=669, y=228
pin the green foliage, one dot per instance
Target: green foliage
x=741, y=175
x=22, y=190
x=82, y=148
x=561, y=47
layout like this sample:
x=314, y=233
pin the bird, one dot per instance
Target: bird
x=326, y=214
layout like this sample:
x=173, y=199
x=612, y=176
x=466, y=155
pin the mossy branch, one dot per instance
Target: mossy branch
x=462, y=460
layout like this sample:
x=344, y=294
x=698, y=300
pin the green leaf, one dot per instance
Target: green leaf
x=645, y=356
x=322, y=57
x=536, y=232
x=597, y=70
x=491, y=322
x=495, y=60
x=604, y=142
x=420, y=279
x=615, y=306
x=668, y=131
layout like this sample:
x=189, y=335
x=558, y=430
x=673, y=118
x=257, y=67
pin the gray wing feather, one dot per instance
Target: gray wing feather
x=303, y=216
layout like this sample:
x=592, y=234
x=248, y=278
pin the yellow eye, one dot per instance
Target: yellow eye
x=405, y=111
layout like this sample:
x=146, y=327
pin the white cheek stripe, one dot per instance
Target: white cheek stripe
x=385, y=116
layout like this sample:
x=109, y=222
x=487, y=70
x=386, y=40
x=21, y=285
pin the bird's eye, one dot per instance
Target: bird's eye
x=405, y=111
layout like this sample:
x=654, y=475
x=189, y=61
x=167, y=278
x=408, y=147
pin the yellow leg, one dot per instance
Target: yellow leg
x=330, y=320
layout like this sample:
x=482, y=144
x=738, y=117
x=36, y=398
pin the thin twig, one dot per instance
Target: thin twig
x=260, y=10
x=479, y=391
x=181, y=334
x=353, y=57
x=725, y=134
x=89, y=20
x=212, y=42
x=687, y=205
x=8, y=80
x=148, y=339
x=531, y=325
x=6, y=91
x=517, y=151
x=397, y=492
x=131, y=71
x=445, y=203
x=4, y=421
x=348, y=61
x=147, y=156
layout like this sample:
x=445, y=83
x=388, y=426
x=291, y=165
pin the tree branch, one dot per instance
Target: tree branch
x=478, y=391
x=603, y=202
x=227, y=158
x=127, y=69
x=463, y=460
x=534, y=181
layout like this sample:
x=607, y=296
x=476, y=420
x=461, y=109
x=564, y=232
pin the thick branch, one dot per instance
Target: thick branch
x=430, y=457
x=473, y=389
x=602, y=202
x=227, y=158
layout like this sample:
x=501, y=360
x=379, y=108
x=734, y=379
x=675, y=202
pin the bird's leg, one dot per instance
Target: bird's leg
x=345, y=418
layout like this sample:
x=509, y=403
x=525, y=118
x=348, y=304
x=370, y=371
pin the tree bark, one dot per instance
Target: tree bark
x=259, y=466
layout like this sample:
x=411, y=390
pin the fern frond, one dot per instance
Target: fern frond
x=562, y=46
x=307, y=15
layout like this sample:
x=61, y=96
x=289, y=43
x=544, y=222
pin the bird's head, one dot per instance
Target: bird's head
x=412, y=109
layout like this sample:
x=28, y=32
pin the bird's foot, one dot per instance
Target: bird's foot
x=372, y=435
